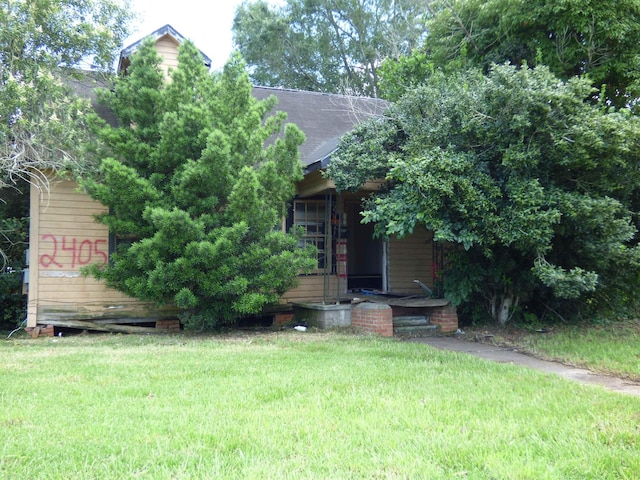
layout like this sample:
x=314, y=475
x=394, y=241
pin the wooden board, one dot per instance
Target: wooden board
x=406, y=301
x=86, y=325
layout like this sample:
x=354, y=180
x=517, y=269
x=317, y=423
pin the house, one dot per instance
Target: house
x=64, y=236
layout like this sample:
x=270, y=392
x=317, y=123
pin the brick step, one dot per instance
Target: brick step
x=410, y=321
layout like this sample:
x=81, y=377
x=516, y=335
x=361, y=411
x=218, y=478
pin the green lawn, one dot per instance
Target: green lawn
x=298, y=405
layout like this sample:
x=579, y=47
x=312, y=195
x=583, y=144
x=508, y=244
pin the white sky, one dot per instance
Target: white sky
x=206, y=23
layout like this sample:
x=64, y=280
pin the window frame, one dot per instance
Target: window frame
x=316, y=224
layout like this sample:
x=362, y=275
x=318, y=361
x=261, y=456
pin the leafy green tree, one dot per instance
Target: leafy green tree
x=594, y=38
x=43, y=44
x=196, y=191
x=326, y=45
x=527, y=182
x=14, y=228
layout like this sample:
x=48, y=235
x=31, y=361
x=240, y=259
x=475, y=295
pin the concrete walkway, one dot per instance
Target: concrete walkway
x=508, y=355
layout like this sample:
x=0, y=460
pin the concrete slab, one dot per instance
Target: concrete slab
x=321, y=315
x=507, y=355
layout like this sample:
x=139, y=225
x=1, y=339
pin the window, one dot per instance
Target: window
x=311, y=215
x=116, y=242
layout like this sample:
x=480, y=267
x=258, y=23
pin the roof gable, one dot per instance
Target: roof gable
x=166, y=31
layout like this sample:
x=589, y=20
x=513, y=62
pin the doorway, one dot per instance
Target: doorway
x=365, y=255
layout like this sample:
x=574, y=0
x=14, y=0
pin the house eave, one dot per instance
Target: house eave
x=320, y=164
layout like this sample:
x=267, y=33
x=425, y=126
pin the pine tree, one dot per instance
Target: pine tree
x=197, y=188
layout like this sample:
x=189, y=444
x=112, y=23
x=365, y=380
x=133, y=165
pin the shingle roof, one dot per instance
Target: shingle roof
x=323, y=117
x=85, y=87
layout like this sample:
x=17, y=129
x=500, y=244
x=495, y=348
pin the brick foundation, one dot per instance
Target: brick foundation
x=172, y=324
x=445, y=317
x=284, y=318
x=41, y=331
x=374, y=318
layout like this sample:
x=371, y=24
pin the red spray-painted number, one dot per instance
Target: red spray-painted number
x=82, y=252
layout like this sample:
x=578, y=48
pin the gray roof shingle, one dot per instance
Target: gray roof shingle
x=323, y=117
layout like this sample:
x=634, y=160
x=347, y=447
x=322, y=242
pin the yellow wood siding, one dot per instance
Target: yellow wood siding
x=313, y=184
x=167, y=47
x=64, y=238
x=311, y=288
x=409, y=259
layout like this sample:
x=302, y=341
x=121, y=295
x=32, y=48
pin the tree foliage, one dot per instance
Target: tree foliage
x=42, y=43
x=327, y=45
x=598, y=39
x=197, y=191
x=14, y=228
x=527, y=182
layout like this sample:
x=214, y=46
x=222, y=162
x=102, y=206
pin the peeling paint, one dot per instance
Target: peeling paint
x=59, y=274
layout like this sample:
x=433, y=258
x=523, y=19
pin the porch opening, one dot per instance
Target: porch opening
x=365, y=254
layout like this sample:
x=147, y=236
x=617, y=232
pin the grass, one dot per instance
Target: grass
x=612, y=348
x=298, y=405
